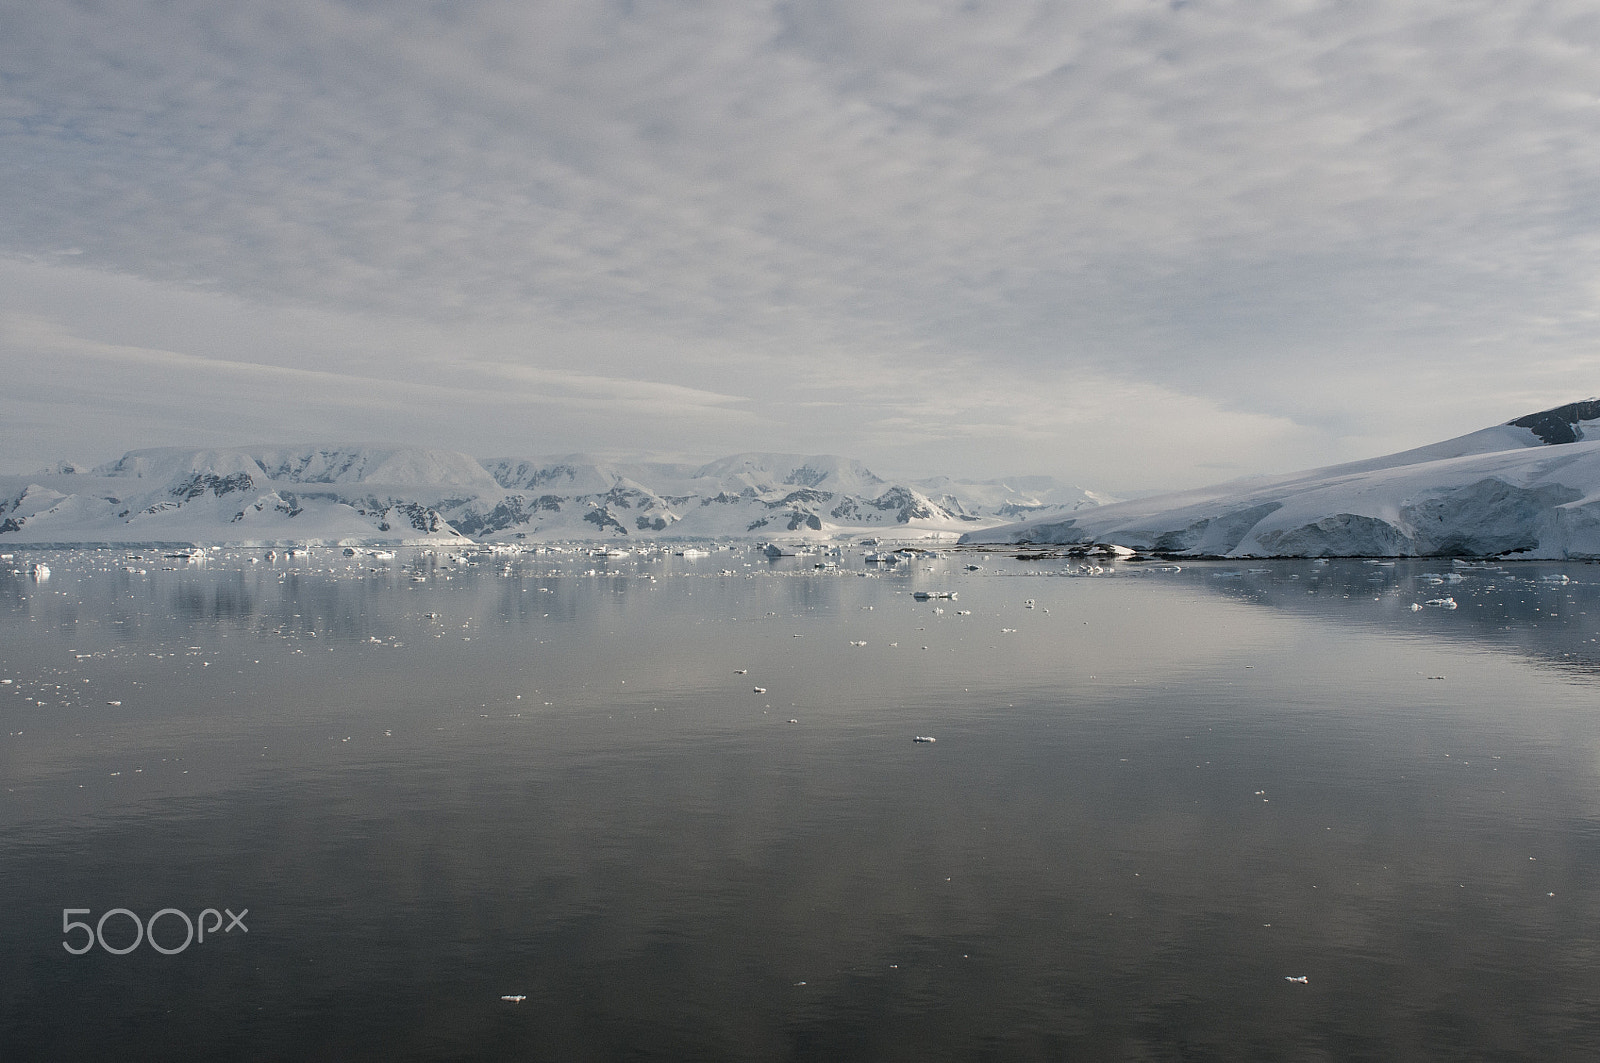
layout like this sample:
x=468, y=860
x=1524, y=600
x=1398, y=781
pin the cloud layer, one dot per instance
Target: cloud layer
x=964, y=234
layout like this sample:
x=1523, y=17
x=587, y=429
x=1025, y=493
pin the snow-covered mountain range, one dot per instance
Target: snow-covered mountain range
x=1526, y=488
x=399, y=494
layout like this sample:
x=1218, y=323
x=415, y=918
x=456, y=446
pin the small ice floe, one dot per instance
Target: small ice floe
x=794, y=721
x=760, y=690
x=1008, y=631
x=108, y=703
x=40, y=571
x=923, y=596
x=1298, y=979
x=923, y=738
x=1415, y=608
x=853, y=642
x=974, y=568
x=515, y=998
x=1441, y=603
x=741, y=671
x=1555, y=579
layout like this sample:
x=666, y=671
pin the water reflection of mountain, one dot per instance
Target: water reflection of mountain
x=1521, y=607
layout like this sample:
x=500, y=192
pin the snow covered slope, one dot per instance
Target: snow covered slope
x=281, y=495
x=265, y=495
x=744, y=495
x=1529, y=488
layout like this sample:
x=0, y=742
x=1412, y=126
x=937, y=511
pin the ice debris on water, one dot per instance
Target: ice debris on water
x=923, y=738
x=515, y=998
x=760, y=690
x=1300, y=979
x=1441, y=603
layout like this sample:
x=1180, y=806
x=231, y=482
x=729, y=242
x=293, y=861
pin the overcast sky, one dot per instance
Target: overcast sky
x=1134, y=244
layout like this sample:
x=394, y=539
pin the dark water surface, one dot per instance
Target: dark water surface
x=1154, y=798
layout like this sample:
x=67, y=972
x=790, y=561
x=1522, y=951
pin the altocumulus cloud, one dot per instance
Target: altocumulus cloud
x=940, y=236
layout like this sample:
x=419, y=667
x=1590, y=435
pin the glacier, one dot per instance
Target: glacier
x=1528, y=488
x=358, y=494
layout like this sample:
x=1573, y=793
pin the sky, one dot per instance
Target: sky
x=1131, y=244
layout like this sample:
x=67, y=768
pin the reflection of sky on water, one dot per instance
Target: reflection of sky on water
x=1517, y=606
x=1081, y=865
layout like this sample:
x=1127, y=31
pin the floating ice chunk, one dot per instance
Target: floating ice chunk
x=1441, y=603
x=1415, y=608
x=853, y=642
x=741, y=671
x=1301, y=979
x=923, y=738
x=761, y=690
x=40, y=571
x=515, y=998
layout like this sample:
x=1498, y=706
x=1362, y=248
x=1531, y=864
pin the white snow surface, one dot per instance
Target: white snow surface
x=367, y=494
x=1502, y=491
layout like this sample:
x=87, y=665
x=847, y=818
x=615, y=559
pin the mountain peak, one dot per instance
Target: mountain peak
x=1563, y=424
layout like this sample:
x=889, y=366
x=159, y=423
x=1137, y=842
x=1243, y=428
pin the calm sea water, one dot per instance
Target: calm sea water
x=1155, y=798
